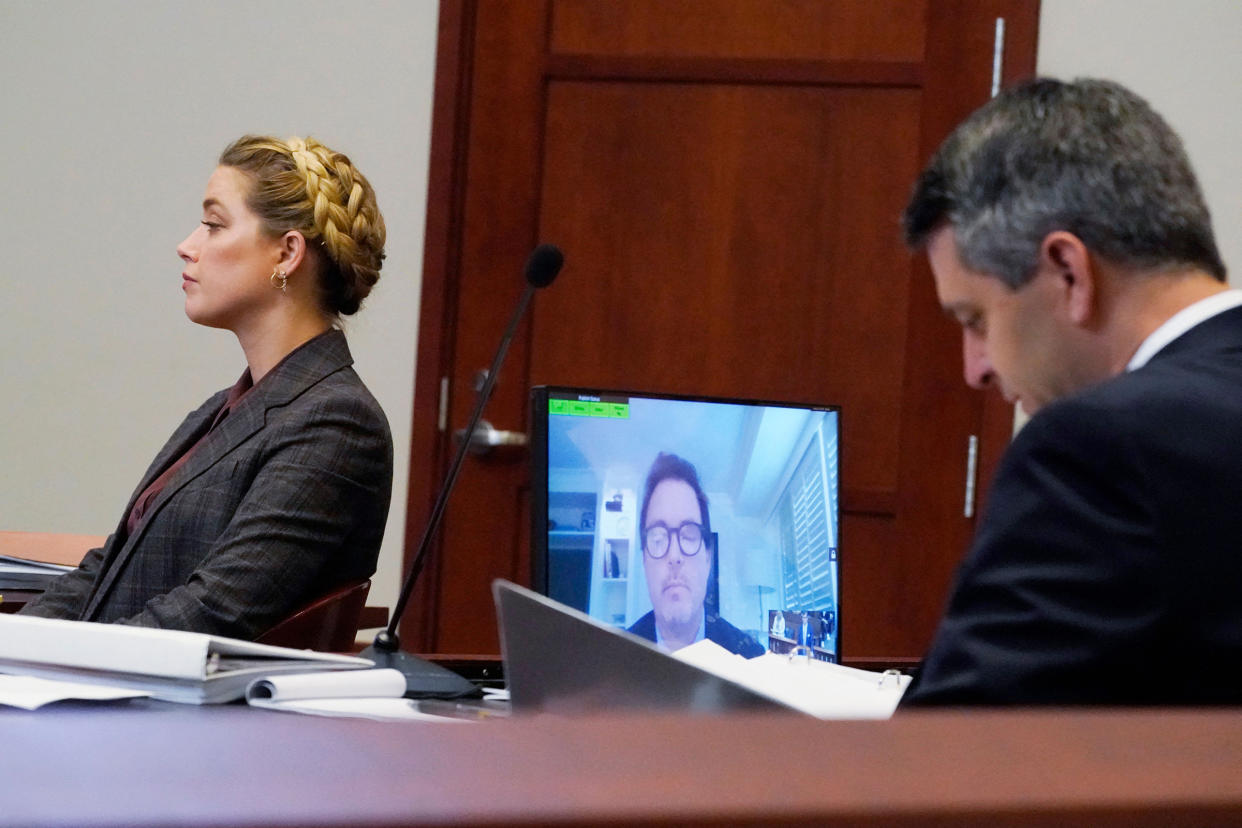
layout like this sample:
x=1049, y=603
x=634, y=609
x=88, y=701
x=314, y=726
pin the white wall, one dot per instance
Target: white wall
x=112, y=113
x=1184, y=57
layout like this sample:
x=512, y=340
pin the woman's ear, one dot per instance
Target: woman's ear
x=1066, y=257
x=292, y=250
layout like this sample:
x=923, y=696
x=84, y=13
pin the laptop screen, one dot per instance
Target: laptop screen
x=681, y=518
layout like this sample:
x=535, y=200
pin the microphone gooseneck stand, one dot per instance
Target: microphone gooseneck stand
x=424, y=679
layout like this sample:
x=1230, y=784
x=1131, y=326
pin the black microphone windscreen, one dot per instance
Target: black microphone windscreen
x=544, y=263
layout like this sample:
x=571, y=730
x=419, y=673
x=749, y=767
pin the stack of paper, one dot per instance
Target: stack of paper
x=30, y=693
x=829, y=691
x=20, y=573
x=169, y=664
x=369, y=694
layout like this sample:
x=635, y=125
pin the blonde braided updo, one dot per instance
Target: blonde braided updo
x=302, y=185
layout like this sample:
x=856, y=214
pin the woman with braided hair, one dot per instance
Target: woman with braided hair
x=276, y=490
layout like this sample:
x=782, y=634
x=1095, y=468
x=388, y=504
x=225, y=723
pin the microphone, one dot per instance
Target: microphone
x=424, y=679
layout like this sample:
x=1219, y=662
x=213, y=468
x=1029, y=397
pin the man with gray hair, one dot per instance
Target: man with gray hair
x=1068, y=237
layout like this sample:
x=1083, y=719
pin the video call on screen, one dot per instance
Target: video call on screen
x=770, y=476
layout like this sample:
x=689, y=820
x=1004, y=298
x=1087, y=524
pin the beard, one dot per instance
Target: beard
x=679, y=607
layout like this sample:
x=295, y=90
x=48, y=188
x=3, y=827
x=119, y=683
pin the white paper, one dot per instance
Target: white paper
x=367, y=694
x=175, y=665
x=32, y=693
x=822, y=689
x=383, y=683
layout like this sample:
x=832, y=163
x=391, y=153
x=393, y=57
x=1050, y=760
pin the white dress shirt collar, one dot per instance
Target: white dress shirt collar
x=1182, y=321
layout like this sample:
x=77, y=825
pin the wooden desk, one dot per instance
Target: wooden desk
x=173, y=765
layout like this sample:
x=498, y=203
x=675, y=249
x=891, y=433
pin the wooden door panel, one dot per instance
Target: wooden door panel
x=873, y=624
x=764, y=29
x=725, y=178
x=754, y=271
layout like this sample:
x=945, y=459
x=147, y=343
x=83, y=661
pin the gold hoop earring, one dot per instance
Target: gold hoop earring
x=279, y=279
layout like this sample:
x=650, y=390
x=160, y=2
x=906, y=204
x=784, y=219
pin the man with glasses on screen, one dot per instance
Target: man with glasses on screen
x=677, y=560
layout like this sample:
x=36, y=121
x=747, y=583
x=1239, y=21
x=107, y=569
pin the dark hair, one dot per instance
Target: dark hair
x=671, y=467
x=1089, y=157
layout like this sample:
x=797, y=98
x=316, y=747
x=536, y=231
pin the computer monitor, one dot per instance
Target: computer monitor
x=741, y=517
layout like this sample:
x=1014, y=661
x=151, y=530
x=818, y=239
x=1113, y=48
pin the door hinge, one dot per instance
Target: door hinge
x=972, y=466
x=998, y=55
x=442, y=417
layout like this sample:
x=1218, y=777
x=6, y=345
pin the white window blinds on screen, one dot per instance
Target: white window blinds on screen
x=808, y=533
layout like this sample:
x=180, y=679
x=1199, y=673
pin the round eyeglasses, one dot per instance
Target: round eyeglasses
x=689, y=539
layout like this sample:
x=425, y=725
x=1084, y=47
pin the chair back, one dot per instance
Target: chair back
x=329, y=624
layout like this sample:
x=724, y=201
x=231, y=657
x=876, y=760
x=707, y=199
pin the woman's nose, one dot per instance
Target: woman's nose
x=185, y=249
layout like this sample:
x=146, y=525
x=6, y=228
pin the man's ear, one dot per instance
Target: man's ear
x=292, y=250
x=1066, y=258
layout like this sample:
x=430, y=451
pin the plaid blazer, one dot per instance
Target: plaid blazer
x=285, y=499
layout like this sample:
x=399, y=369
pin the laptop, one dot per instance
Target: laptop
x=557, y=659
x=752, y=535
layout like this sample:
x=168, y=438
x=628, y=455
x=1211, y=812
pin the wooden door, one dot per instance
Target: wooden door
x=725, y=178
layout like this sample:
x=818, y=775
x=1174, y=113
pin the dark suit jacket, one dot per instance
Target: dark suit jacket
x=1107, y=568
x=716, y=629
x=285, y=499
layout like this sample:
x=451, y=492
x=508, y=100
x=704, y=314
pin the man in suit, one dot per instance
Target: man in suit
x=1068, y=237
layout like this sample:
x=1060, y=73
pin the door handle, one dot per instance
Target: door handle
x=487, y=437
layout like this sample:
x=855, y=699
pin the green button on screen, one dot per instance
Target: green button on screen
x=589, y=408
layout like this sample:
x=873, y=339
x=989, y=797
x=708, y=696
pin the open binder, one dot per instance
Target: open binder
x=557, y=659
x=172, y=665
